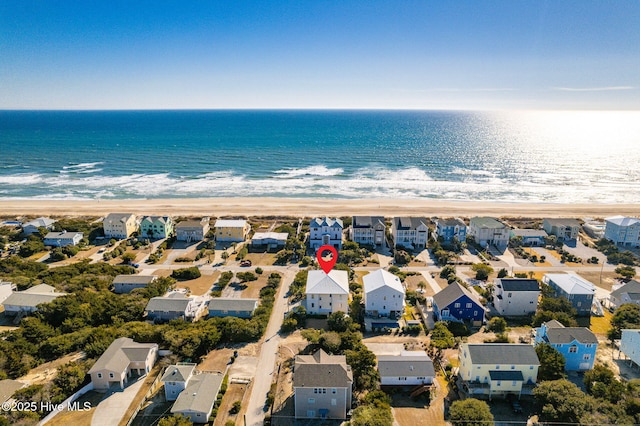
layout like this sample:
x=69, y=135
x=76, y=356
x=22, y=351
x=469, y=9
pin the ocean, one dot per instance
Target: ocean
x=549, y=157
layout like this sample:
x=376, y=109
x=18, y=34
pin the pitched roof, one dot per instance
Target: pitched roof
x=450, y=222
x=322, y=370
x=337, y=282
x=199, y=395
x=381, y=278
x=631, y=287
x=451, y=293
x=63, y=234
x=178, y=373
x=161, y=219
x=117, y=217
x=230, y=223
x=280, y=236
x=486, y=222
x=192, y=223
x=518, y=284
x=529, y=233
x=502, y=353
x=622, y=220
x=232, y=304
x=33, y=296
x=558, y=333
x=326, y=221
x=410, y=222
x=168, y=304
x=40, y=289
x=367, y=221
x=120, y=353
x=134, y=279
x=571, y=283
x=41, y=222
x=562, y=222
x=405, y=365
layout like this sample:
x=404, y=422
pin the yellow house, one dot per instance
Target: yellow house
x=498, y=369
x=119, y=225
x=232, y=230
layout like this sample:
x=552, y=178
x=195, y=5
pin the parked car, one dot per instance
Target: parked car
x=245, y=263
x=135, y=265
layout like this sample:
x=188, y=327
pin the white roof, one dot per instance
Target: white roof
x=233, y=223
x=572, y=283
x=41, y=222
x=622, y=220
x=282, y=236
x=337, y=282
x=381, y=278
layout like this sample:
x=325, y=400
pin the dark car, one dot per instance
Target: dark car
x=245, y=263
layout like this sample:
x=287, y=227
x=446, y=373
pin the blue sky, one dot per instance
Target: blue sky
x=320, y=54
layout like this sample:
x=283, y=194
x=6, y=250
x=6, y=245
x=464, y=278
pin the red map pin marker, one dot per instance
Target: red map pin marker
x=327, y=264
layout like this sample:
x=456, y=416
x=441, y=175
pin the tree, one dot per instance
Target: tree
x=627, y=272
x=600, y=382
x=186, y=273
x=330, y=341
x=470, y=412
x=562, y=401
x=128, y=257
x=497, y=325
x=422, y=285
x=551, y=362
x=441, y=337
x=448, y=271
x=482, y=271
x=626, y=316
x=502, y=273
x=377, y=414
x=175, y=420
x=339, y=321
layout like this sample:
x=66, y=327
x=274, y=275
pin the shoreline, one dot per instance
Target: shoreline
x=308, y=207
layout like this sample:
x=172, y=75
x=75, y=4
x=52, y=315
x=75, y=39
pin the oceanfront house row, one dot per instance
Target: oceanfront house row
x=449, y=230
x=594, y=228
x=322, y=386
x=456, y=303
x=231, y=231
x=529, y=237
x=63, y=239
x=232, y=307
x=488, y=231
x=27, y=301
x=368, y=230
x=578, y=291
x=410, y=232
x=411, y=368
x=578, y=345
x=269, y=241
x=565, y=230
x=516, y=296
x=124, y=359
x=174, y=306
x=325, y=231
x=34, y=226
x=192, y=230
x=630, y=345
x=175, y=379
x=498, y=369
x=383, y=294
x=327, y=293
x=197, y=400
x=626, y=293
x=623, y=231
x=126, y=283
x=156, y=227
x=119, y=226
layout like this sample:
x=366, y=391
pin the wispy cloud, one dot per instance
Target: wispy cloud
x=594, y=89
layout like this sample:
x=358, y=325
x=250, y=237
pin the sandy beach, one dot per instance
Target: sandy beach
x=307, y=207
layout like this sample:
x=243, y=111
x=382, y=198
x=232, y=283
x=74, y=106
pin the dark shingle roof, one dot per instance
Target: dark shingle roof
x=632, y=286
x=502, y=353
x=557, y=333
x=367, y=221
x=392, y=366
x=451, y=293
x=518, y=284
x=322, y=370
x=506, y=375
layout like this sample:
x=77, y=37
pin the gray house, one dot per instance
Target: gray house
x=196, y=401
x=574, y=288
x=174, y=306
x=564, y=229
x=368, y=230
x=127, y=283
x=192, y=230
x=627, y=293
x=175, y=379
x=410, y=368
x=122, y=360
x=232, y=307
x=27, y=301
x=322, y=386
x=35, y=225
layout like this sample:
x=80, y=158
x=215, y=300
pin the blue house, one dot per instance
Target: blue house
x=232, y=307
x=450, y=229
x=577, y=345
x=456, y=303
x=578, y=291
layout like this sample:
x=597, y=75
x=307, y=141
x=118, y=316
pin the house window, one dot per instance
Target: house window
x=509, y=294
x=497, y=367
x=99, y=375
x=531, y=367
x=498, y=383
x=513, y=367
x=468, y=305
x=579, y=304
x=333, y=390
x=111, y=375
x=587, y=357
x=334, y=402
x=457, y=305
x=573, y=349
x=513, y=383
x=311, y=401
x=589, y=345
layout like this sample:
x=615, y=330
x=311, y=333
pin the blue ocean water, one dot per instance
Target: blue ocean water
x=582, y=157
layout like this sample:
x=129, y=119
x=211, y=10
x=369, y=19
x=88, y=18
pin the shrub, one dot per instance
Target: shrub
x=186, y=273
x=259, y=270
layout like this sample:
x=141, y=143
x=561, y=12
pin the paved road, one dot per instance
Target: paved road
x=268, y=352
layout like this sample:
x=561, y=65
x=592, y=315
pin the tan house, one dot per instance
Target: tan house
x=122, y=360
x=563, y=228
x=322, y=386
x=498, y=369
x=233, y=231
x=192, y=230
x=119, y=225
